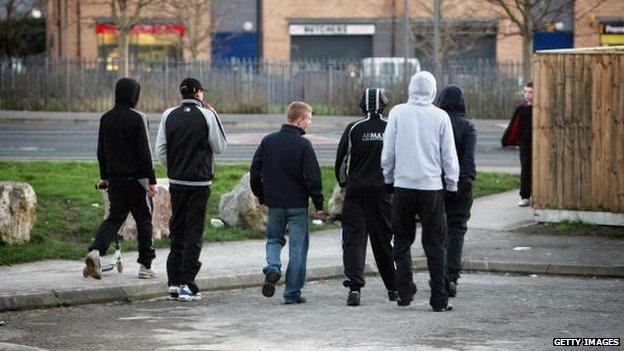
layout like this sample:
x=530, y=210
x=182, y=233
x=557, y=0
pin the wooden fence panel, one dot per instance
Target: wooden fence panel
x=578, y=131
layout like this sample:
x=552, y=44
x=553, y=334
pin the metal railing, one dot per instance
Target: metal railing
x=331, y=87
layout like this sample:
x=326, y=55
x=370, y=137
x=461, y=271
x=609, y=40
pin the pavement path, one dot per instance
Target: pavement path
x=492, y=312
x=489, y=246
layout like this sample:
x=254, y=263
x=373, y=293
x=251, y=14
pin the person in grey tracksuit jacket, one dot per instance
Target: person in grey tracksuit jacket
x=188, y=138
x=418, y=152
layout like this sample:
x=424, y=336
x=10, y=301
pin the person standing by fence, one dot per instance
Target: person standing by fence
x=457, y=208
x=418, y=151
x=188, y=138
x=520, y=132
x=367, y=208
x=126, y=170
x=284, y=175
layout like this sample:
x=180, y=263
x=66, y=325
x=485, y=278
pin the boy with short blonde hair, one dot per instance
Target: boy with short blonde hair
x=296, y=110
x=284, y=175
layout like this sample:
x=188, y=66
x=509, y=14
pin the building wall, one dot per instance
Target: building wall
x=386, y=15
x=232, y=38
x=588, y=17
x=278, y=13
x=74, y=14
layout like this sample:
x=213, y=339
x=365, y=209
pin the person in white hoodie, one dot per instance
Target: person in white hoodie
x=418, y=159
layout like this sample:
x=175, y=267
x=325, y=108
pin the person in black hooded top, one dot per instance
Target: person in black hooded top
x=367, y=207
x=458, y=205
x=126, y=170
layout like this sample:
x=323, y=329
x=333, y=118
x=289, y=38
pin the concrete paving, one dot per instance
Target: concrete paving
x=500, y=212
x=238, y=264
x=5, y=346
x=491, y=312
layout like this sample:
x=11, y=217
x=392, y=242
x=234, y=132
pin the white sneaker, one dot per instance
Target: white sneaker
x=174, y=291
x=187, y=295
x=93, y=266
x=524, y=202
x=146, y=273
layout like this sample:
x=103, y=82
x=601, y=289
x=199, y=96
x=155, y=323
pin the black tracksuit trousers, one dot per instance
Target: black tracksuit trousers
x=186, y=231
x=525, y=170
x=429, y=206
x=127, y=196
x=364, y=216
x=457, y=216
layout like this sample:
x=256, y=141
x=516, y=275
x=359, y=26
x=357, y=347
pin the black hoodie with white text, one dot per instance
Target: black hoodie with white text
x=358, y=159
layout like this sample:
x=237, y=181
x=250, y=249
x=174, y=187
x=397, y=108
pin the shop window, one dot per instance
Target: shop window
x=147, y=42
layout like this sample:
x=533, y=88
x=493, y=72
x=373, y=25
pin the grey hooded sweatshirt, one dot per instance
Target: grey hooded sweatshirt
x=418, y=146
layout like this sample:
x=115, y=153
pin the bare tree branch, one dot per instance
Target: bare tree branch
x=534, y=15
x=191, y=13
x=502, y=4
x=589, y=10
x=456, y=36
x=126, y=14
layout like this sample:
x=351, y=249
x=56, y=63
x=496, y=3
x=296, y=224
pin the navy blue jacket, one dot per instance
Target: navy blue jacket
x=451, y=100
x=284, y=170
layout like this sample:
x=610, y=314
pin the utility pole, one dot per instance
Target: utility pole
x=406, y=33
x=394, y=29
x=436, y=36
x=406, y=29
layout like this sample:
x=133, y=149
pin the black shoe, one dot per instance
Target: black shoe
x=393, y=295
x=268, y=288
x=451, y=289
x=353, y=299
x=405, y=300
x=442, y=309
x=298, y=300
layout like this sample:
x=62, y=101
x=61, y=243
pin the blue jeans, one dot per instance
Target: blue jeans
x=297, y=221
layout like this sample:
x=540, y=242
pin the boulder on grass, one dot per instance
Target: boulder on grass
x=18, y=203
x=241, y=208
x=335, y=204
x=160, y=216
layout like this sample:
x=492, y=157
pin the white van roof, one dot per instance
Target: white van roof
x=389, y=59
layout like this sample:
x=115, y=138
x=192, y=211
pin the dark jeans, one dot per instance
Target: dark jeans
x=457, y=215
x=429, y=206
x=188, y=206
x=525, y=171
x=364, y=216
x=127, y=196
x=297, y=222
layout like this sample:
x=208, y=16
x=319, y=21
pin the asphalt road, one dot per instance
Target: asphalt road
x=71, y=139
x=492, y=312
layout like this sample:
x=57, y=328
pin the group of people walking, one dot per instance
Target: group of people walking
x=430, y=168
x=416, y=166
x=188, y=137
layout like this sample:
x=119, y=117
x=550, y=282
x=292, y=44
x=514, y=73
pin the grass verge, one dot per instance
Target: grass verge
x=69, y=210
x=575, y=228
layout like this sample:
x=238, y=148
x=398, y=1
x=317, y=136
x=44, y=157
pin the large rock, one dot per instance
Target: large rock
x=335, y=203
x=160, y=215
x=241, y=208
x=18, y=203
